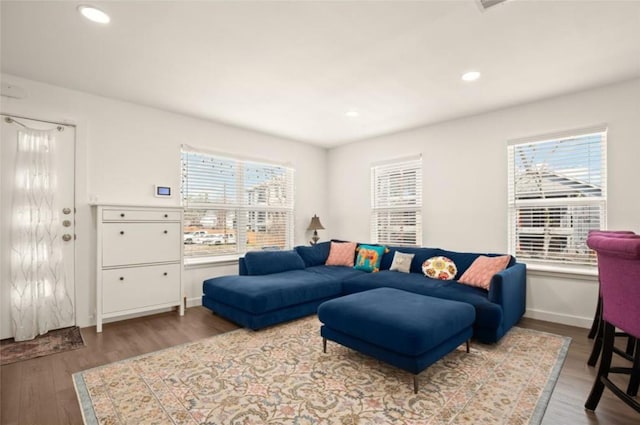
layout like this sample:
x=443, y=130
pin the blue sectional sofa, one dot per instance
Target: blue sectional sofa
x=276, y=286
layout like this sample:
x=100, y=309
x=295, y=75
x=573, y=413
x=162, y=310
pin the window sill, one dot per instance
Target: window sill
x=221, y=260
x=571, y=272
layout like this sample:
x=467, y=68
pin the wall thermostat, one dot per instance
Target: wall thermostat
x=163, y=191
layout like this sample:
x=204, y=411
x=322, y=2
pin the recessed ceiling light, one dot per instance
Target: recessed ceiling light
x=94, y=14
x=352, y=113
x=470, y=76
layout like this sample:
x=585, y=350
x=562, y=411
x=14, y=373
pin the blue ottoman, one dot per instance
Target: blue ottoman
x=404, y=329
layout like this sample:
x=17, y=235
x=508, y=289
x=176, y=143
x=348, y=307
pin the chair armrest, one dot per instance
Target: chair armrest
x=509, y=290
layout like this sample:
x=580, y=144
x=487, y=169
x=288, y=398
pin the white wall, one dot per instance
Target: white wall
x=123, y=149
x=465, y=182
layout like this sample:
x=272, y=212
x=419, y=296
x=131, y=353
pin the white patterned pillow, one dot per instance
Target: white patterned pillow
x=439, y=268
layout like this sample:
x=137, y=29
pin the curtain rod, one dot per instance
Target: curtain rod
x=11, y=120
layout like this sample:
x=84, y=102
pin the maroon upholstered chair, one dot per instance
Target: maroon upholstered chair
x=597, y=325
x=619, y=272
x=596, y=319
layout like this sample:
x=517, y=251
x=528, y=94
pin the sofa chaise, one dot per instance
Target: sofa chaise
x=277, y=286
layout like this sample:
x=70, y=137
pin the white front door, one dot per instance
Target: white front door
x=61, y=281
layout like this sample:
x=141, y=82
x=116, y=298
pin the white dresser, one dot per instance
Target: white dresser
x=139, y=260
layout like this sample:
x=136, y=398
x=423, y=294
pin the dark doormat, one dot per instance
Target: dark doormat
x=52, y=342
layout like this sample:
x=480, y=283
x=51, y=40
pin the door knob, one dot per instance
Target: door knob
x=66, y=237
x=66, y=211
x=66, y=223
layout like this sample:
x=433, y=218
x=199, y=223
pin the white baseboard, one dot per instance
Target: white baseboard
x=565, y=319
x=136, y=315
x=191, y=302
x=194, y=302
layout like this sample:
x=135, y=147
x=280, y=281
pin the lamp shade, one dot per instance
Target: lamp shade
x=315, y=223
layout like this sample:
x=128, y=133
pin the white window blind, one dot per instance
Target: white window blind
x=235, y=205
x=396, y=202
x=557, y=193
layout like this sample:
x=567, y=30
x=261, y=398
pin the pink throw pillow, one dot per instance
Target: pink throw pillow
x=479, y=274
x=341, y=254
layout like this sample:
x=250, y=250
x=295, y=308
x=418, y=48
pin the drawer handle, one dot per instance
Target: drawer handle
x=166, y=231
x=165, y=273
x=166, y=215
x=122, y=232
x=122, y=215
x=121, y=278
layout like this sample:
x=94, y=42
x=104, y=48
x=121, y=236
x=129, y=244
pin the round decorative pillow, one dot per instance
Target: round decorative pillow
x=439, y=268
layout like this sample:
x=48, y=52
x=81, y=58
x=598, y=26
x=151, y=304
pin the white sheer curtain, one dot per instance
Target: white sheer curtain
x=39, y=299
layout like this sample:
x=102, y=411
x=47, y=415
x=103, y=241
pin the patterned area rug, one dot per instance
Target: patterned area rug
x=52, y=342
x=281, y=376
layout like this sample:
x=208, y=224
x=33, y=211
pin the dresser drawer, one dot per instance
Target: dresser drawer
x=140, y=215
x=139, y=243
x=140, y=287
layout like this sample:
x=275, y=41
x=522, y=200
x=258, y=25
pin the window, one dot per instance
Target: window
x=234, y=205
x=557, y=193
x=396, y=202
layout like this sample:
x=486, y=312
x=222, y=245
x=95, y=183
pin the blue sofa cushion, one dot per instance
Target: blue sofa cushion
x=488, y=314
x=314, y=255
x=336, y=272
x=260, y=294
x=268, y=262
x=399, y=321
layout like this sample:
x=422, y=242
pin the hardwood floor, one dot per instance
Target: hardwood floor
x=40, y=391
x=573, y=387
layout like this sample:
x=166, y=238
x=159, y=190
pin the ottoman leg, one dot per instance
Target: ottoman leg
x=324, y=345
x=415, y=384
x=468, y=345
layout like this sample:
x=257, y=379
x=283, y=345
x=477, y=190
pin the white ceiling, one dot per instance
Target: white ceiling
x=293, y=69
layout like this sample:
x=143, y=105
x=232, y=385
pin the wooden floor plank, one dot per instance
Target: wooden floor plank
x=38, y=392
x=45, y=385
x=10, y=393
x=576, y=378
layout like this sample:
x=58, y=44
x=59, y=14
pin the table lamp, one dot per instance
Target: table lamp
x=315, y=225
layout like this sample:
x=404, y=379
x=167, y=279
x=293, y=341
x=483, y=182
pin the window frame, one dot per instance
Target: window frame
x=577, y=210
x=243, y=205
x=393, y=207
